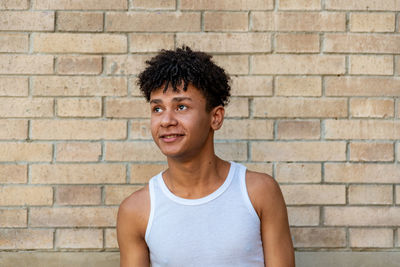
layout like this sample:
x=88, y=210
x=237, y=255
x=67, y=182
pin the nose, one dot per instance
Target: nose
x=168, y=119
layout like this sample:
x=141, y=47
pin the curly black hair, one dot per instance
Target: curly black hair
x=172, y=67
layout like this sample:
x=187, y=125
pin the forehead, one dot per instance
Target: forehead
x=192, y=92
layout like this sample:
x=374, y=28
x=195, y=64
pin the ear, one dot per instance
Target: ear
x=217, y=117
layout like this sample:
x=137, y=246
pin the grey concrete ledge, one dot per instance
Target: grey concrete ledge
x=111, y=259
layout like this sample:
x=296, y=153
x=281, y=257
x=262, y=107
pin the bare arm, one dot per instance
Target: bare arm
x=268, y=201
x=131, y=227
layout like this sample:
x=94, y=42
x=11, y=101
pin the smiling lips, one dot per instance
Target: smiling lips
x=170, y=137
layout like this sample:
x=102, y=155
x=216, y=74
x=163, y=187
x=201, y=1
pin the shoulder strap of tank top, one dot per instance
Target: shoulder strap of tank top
x=242, y=176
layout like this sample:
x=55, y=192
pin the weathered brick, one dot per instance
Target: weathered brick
x=150, y=42
x=78, y=151
x=362, y=43
x=299, y=129
x=251, y=86
x=366, y=5
x=13, y=86
x=78, y=173
x=299, y=21
x=237, y=107
x=318, y=237
x=78, y=195
x=14, y=4
x=141, y=173
x=246, y=129
x=26, y=239
x=13, y=218
x=361, y=173
x=154, y=4
x=25, y=195
x=372, y=65
x=259, y=167
x=397, y=194
x=79, y=238
x=25, y=152
x=233, y=64
x=13, y=129
x=299, y=4
x=297, y=86
x=133, y=151
x=236, y=151
x=127, y=108
x=79, y=43
x=371, y=108
x=79, y=65
x=362, y=86
x=371, y=194
x=297, y=43
x=116, y=194
x=79, y=86
x=111, y=238
x=73, y=217
x=298, y=173
x=225, y=5
x=298, y=151
x=26, y=21
x=79, y=21
x=226, y=42
x=13, y=174
x=397, y=63
x=371, y=237
x=78, y=130
x=26, y=64
x=152, y=21
x=371, y=151
x=125, y=64
x=303, y=216
x=80, y=5
x=26, y=107
x=314, y=194
x=362, y=216
x=140, y=130
x=226, y=21
x=14, y=42
x=298, y=64
x=362, y=129
x=372, y=22
x=79, y=107
x=300, y=107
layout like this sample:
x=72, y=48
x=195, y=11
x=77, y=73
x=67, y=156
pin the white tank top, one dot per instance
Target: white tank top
x=221, y=229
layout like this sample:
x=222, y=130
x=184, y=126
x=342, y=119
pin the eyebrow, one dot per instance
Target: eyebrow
x=175, y=99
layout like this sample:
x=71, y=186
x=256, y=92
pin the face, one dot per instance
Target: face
x=180, y=125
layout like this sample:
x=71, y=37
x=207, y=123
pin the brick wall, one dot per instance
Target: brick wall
x=315, y=103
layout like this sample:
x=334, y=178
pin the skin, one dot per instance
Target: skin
x=184, y=131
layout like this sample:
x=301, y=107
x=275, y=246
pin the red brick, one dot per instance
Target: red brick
x=26, y=21
x=79, y=21
x=298, y=172
x=362, y=86
x=79, y=86
x=116, y=194
x=13, y=174
x=298, y=151
x=319, y=237
x=78, y=130
x=14, y=42
x=26, y=239
x=298, y=86
x=366, y=5
x=79, y=65
x=314, y=194
x=26, y=64
x=280, y=107
x=362, y=216
x=298, y=64
x=362, y=173
x=133, y=151
x=78, y=151
x=362, y=43
x=13, y=129
x=25, y=152
x=73, y=217
x=371, y=151
x=303, y=216
x=79, y=238
x=25, y=195
x=227, y=5
x=13, y=86
x=13, y=217
x=80, y=5
x=299, y=130
x=251, y=86
x=78, y=195
x=78, y=173
x=227, y=42
x=152, y=22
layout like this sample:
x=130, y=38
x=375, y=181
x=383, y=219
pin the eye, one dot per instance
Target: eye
x=182, y=107
x=156, y=109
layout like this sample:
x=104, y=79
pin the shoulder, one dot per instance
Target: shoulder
x=135, y=210
x=264, y=192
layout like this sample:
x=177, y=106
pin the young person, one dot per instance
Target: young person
x=202, y=211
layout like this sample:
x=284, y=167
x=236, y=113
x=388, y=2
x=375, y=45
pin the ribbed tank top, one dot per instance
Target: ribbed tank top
x=221, y=229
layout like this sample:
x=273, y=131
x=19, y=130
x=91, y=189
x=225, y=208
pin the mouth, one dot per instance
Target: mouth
x=170, y=137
